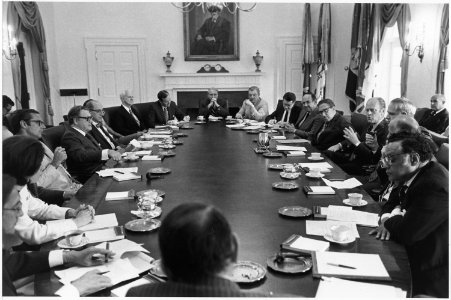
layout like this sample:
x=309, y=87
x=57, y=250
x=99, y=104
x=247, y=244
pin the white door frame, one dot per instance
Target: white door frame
x=282, y=43
x=90, y=45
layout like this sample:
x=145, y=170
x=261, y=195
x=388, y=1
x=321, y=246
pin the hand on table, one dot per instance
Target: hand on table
x=84, y=217
x=238, y=116
x=272, y=122
x=290, y=128
x=114, y=155
x=186, y=118
x=91, y=282
x=381, y=232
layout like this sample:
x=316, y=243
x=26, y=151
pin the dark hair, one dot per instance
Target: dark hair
x=74, y=112
x=195, y=242
x=162, y=94
x=22, y=157
x=8, y=183
x=414, y=143
x=289, y=96
x=311, y=95
x=21, y=115
x=7, y=101
x=214, y=8
x=327, y=101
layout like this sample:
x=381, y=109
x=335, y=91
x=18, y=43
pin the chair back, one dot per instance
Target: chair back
x=359, y=122
x=442, y=155
x=52, y=136
x=109, y=111
x=420, y=113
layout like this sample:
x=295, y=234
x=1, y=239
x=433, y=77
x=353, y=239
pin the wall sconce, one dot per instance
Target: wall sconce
x=419, y=49
x=416, y=37
x=12, y=43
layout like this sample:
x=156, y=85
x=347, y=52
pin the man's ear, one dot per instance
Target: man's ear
x=415, y=159
x=23, y=124
x=234, y=247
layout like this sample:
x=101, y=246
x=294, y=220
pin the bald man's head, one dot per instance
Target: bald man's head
x=403, y=124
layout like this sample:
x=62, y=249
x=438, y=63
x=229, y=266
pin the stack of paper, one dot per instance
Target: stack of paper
x=135, y=143
x=346, y=184
x=113, y=196
x=295, y=153
x=330, y=287
x=105, y=234
x=126, y=176
x=344, y=213
x=236, y=125
x=290, y=148
x=322, y=227
x=114, y=171
x=141, y=152
x=293, y=141
x=301, y=244
x=101, y=221
x=319, y=190
x=122, y=246
x=253, y=127
x=158, y=132
x=324, y=166
x=279, y=137
x=151, y=157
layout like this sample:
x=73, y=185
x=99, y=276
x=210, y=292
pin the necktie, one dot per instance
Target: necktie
x=108, y=137
x=303, y=119
x=134, y=117
x=321, y=131
x=402, y=196
x=93, y=140
x=166, y=114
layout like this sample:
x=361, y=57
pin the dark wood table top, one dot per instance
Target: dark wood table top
x=218, y=166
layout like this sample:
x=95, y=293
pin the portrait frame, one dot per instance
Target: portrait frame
x=194, y=21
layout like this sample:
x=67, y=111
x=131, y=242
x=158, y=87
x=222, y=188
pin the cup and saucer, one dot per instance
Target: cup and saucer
x=73, y=239
x=200, y=120
x=315, y=156
x=355, y=199
x=314, y=173
x=339, y=234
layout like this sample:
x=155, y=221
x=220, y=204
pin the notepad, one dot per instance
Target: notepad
x=114, y=171
x=113, y=196
x=318, y=190
x=101, y=221
x=301, y=244
x=293, y=141
x=345, y=184
x=344, y=213
x=105, y=234
x=290, y=148
x=321, y=227
x=279, y=137
x=151, y=157
x=358, y=265
x=122, y=246
x=296, y=153
x=126, y=176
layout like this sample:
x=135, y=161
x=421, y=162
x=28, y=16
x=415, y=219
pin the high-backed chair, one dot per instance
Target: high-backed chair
x=52, y=136
x=420, y=113
x=144, y=110
x=359, y=122
x=442, y=155
x=109, y=111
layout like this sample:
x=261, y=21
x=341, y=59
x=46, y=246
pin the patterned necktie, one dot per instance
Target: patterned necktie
x=134, y=117
x=108, y=136
x=166, y=114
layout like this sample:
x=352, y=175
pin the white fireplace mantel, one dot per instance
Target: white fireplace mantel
x=182, y=82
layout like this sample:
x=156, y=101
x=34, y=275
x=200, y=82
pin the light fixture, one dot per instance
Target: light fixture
x=415, y=37
x=189, y=6
x=419, y=48
x=11, y=45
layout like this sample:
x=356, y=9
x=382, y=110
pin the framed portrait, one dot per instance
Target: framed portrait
x=211, y=33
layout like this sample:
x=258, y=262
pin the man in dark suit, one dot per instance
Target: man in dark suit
x=163, y=111
x=331, y=132
x=417, y=214
x=436, y=119
x=126, y=119
x=84, y=154
x=209, y=248
x=356, y=151
x=286, y=112
x=21, y=264
x=309, y=121
x=212, y=105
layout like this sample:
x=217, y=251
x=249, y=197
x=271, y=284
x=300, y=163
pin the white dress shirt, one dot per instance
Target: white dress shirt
x=34, y=233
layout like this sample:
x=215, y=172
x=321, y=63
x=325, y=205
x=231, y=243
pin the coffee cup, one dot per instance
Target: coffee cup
x=355, y=198
x=316, y=155
x=316, y=172
x=200, y=118
x=74, y=237
x=229, y=118
x=339, y=233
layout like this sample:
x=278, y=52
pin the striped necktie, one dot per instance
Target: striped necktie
x=134, y=117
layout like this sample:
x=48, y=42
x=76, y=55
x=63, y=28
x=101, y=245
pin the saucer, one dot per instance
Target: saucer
x=347, y=241
x=289, y=175
x=285, y=185
x=246, y=272
x=160, y=170
x=160, y=193
x=154, y=213
x=295, y=211
x=291, y=265
x=179, y=134
x=186, y=127
x=177, y=142
x=167, y=153
x=64, y=245
x=143, y=225
x=200, y=122
x=361, y=203
x=312, y=176
x=315, y=158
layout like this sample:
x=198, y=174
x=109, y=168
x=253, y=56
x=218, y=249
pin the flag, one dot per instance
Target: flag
x=323, y=49
x=307, y=52
x=321, y=81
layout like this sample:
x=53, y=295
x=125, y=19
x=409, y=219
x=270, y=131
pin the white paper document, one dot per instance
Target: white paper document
x=345, y=184
x=293, y=141
x=344, y=213
x=114, y=171
x=331, y=287
x=126, y=176
x=151, y=157
x=296, y=153
x=141, y=152
x=122, y=246
x=239, y=125
x=290, y=148
x=279, y=137
x=322, y=227
x=324, y=166
x=101, y=221
x=152, y=133
x=113, y=196
x=356, y=265
x=309, y=245
x=253, y=127
x=158, y=135
x=135, y=143
x=122, y=290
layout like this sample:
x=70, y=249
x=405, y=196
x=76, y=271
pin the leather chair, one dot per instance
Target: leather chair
x=359, y=122
x=420, y=113
x=442, y=155
x=52, y=136
x=109, y=111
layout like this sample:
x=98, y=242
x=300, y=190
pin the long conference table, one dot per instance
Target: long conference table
x=218, y=166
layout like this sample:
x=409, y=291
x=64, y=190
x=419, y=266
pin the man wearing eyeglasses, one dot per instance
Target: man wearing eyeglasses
x=84, y=154
x=417, y=214
x=331, y=132
x=52, y=174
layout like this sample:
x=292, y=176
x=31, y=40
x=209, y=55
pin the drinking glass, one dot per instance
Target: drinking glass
x=263, y=140
x=146, y=205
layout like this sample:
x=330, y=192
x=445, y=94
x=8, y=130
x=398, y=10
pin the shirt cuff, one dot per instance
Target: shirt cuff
x=357, y=144
x=68, y=290
x=384, y=217
x=105, y=154
x=55, y=258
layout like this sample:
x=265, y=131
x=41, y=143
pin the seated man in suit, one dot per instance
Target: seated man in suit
x=21, y=264
x=209, y=249
x=7, y=106
x=51, y=174
x=212, y=105
x=331, y=132
x=101, y=133
x=417, y=215
x=84, y=154
x=436, y=119
x=22, y=157
x=309, y=121
x=126, y=119
x=254, y=108
x=356, y=151
x=286, y=112
x=164, y=111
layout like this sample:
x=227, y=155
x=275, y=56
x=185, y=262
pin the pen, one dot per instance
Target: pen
x=119, y=172
x=341, y=266
x=101, y=273
x=108, y=248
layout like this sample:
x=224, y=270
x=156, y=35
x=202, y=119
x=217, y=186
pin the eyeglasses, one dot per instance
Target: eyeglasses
x=387, y=160
x=39, y=122
x=324, y=111
x=99, y=111
x=89, y=119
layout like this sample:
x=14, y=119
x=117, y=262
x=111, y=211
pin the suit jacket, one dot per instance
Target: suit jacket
x=278, y=113
x=424, y=229
x=332, y=134
x=156, y=114
x=312, y=124
x=21, y=264
x=221, y=111
x=83, y=157
x=123, y=123
x=95, y=132
x=47, y=195
x=436, y=123
x=211, y=287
